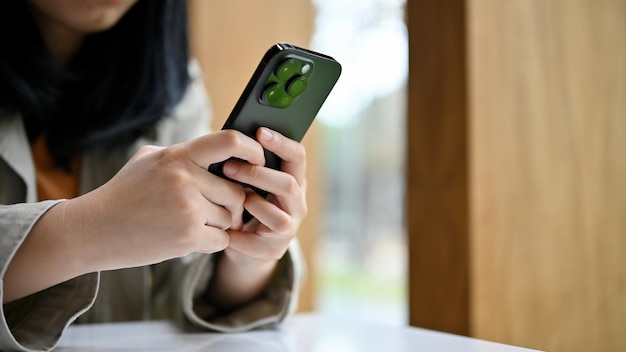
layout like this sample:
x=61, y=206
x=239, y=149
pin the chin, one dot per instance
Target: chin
x=83, y=16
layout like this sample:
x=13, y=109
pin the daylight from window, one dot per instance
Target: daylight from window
x=361, y=258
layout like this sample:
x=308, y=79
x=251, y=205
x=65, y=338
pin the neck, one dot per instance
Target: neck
x=62, y=41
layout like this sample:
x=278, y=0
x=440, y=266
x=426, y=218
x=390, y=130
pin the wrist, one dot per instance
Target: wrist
x=88, y=250
x=72, y=247
x=239, y=261
x=238, y=279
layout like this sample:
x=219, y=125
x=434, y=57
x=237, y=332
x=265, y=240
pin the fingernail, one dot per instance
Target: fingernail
x=266, y=135
x=230, y=168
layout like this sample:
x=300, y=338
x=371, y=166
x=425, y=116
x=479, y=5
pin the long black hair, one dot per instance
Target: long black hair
x=117, y=86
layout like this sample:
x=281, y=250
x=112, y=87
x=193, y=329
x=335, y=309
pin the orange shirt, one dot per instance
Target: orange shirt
x=53, y=182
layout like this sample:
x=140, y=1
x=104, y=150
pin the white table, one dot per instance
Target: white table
x=301, y=333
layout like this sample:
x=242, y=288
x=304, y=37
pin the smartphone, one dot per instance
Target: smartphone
x=285, y=93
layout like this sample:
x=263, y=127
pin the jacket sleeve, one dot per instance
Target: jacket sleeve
x=36, y=322
x=187, y=281
x=278, y=301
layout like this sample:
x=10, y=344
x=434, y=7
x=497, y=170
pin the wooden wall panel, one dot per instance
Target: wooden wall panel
x=548, y=161
x=229, y=38
x=516, y=178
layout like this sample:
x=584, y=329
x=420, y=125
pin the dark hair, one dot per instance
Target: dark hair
x=117, y=86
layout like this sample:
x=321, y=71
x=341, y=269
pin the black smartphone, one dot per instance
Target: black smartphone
x=285, y=93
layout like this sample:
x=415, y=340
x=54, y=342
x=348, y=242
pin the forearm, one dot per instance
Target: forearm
x=238, y=280
x=50, y=254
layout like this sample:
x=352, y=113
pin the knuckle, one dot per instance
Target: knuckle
x=186, y=210
x=184, y=205
x=231, y=138
x=178, y=178
x=300, y=152
x=237, y=199
x=167, y=157
x=283, y=224
x=291, y=185
x=172, y=153
x=239, y=194
x=255, y=172
x=146, y=149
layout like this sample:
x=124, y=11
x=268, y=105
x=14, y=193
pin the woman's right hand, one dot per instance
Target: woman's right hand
x=162, y=204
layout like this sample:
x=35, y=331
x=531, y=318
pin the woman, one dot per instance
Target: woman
x=88, y=89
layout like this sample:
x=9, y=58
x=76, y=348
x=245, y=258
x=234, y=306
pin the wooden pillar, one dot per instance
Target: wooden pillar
x=437, y=169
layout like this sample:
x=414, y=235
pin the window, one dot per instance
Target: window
x=361, y=255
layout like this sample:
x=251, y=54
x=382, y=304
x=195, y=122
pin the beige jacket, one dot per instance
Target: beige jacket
x=169, y=290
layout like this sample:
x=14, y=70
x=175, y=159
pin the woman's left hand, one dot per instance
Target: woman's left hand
x=255, y=248
x=277, y=218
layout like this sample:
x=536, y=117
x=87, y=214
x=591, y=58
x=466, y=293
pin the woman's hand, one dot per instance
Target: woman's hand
x=162, y=204
x=255, y=248
x=277, y=218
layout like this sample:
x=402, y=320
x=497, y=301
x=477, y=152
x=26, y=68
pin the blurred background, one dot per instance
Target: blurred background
x=467, y=172
x=361, y=255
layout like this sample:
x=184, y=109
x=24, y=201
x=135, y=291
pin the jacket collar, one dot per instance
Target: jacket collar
x=15, y=150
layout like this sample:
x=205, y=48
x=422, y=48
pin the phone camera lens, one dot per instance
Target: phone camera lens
x=275, y=96
x=272, y=94
x=286, y=70
x=297, y=86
